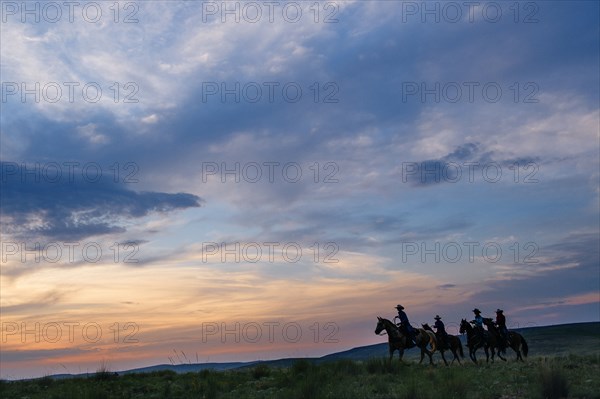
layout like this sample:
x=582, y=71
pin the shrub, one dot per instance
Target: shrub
x=301, y=366
x=103, y=373
x=261, y=371
x=553, y=384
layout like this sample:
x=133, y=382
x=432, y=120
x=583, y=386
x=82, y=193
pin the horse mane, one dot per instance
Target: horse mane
x=386, y=321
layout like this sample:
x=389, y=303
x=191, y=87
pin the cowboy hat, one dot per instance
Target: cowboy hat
x=476, y=310
x=499, y=310
x=399, y=307
x=437, y=317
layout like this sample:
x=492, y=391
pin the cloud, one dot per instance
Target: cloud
x=72, y=207
x=91, y=133
x=462, y=163
x=153, y=118
x=566, y=275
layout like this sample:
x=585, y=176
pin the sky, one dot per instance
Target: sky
x=189, y=182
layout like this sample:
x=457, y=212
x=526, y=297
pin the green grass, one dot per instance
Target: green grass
x=571, y=376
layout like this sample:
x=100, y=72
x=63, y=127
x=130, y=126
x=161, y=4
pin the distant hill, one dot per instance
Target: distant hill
x=542, y=341
x=583, y=338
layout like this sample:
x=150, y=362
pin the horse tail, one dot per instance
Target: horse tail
x=524, y=346
x=432, y=341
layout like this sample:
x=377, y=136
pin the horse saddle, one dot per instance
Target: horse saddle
x=441, y=339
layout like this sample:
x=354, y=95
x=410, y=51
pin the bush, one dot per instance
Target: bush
x=553, y=384
x=301, y=366
x=261, y=371
x=209, y=385
x=103, y=373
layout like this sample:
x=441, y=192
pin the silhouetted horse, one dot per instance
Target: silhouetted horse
x=495, y=339
x=517, y=342
x=453, y=345
x=474, y=341
x=398, y=341
x=424, y=338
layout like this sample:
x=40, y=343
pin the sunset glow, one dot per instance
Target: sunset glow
x=222, y=189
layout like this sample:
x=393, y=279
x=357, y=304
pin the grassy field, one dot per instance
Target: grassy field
x=556, y=377
x=556, y=368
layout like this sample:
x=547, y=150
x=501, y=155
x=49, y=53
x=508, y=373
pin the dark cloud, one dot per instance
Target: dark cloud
x=461, y=163
x=72, y=207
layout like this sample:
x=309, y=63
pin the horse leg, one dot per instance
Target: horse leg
x=457, y=352
x=517, y=348
x=422, y=355
x=454, y=356
x=487, y=354
x=472, y=355
x=500, y=356
x=443, y=357
x=401, y=352
x=428, y=353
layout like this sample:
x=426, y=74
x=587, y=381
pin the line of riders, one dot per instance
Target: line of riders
x=440, y=328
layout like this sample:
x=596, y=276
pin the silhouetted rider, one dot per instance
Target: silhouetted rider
x=478, y=323
x=405, y=324
x=440, y=329
x=501, y=324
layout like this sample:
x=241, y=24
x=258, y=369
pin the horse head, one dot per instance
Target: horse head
x=464, y=326
x=380, y=325
x=426, y=327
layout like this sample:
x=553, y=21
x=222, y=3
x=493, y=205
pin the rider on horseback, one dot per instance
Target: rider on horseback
x=405, y=324
x=440, y=330
x=478, y=323
x=501, y=324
